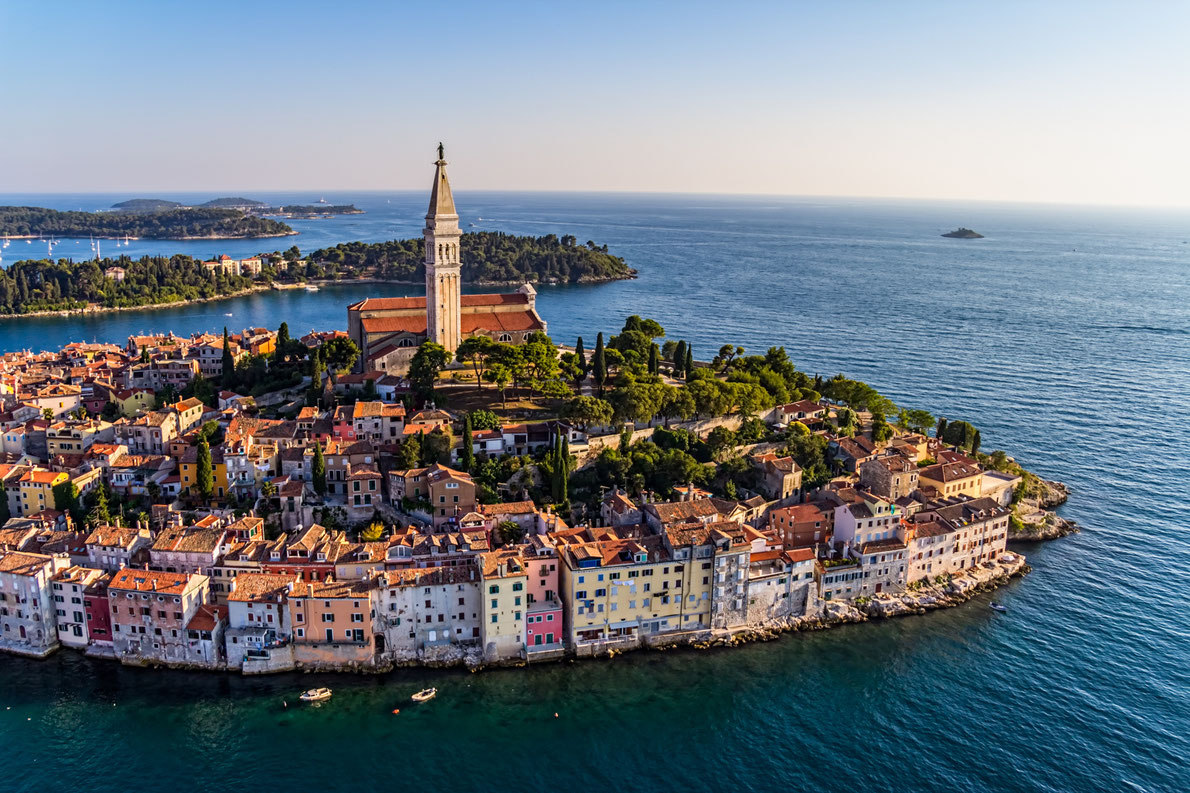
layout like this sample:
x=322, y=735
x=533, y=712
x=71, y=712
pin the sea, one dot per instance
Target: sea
x=1064, y=335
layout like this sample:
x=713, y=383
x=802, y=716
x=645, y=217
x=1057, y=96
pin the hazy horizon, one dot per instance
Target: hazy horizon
x=1012, y=103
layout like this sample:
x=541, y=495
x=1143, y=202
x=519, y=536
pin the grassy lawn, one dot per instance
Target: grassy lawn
x=462, y=396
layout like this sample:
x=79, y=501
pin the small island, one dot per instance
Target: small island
x=178, y=223
x=307, y=212
x=963, y=233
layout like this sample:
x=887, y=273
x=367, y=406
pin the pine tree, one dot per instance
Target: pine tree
x=468, y=456
x=599, y=364
x=688, y=369
x=318, y=470
x=680, y=360
x=229, y=364
x=204, y=479
x=654, y=359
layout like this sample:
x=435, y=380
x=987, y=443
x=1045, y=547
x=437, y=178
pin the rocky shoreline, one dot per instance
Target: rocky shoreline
x=953, y=592
x=1038, y=520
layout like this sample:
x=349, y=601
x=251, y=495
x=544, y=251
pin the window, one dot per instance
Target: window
x=518, y=586
x=494, y=618
x=494, y=589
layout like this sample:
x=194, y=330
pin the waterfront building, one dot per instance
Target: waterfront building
x=205, y=637
x=781, y=584
x=955, y=535
x=27, y=610
x=69, y=587
x=389, y=330
x=503, y=604
x=544, y=615
x=151, y=610
x=428, y=613
x=258, y=622
x=333, y=623
x=97, y=609
x=620, y=592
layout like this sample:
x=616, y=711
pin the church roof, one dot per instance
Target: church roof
x=469, y=322
x=465, y=301
x=442, y=203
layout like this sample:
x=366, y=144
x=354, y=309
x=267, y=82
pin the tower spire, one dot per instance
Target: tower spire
x=442, y=203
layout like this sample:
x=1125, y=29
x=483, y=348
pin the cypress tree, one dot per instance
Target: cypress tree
x=599, y=364
x=229, y=364
x=564, y=464
x=654, y=359
x=318, y=470
x=99, y=514
x=580, y=355
x=940, y=431
x=468, y=456
x=204, y=479
x=689, y=368
x=679, y=369
x=975, y=444
x=282, y=336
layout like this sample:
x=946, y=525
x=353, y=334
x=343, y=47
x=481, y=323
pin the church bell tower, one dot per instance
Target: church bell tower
x=442, y=262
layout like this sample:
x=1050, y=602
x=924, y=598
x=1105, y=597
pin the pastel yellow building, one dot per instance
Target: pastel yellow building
x=37, y=490
x=188, y=471
x=619, y=592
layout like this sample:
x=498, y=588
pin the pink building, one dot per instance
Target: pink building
x=543, y=613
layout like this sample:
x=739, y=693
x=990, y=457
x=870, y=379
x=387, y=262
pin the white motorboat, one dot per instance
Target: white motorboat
x=316, y=695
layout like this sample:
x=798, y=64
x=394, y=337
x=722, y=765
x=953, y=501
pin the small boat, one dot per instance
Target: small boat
x=316, y=695
x=997, y=606
x=228, y=314
x=472, y=225
x=425, y=695
x=311, y=288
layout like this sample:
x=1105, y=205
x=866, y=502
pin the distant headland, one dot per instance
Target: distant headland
x=251, y=206
x=162, y=222
x=964, y=234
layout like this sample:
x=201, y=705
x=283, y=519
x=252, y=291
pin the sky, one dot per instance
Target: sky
x=1079, y=102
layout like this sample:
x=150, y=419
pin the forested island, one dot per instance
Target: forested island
x=39, y=285
x=183, y=223
x=312, y=210
x=32, y=286
x=488, y=257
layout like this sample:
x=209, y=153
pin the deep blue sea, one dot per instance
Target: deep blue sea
x=1064, y=335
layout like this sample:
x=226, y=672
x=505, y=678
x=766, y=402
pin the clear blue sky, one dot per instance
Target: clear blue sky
x=1067, y=102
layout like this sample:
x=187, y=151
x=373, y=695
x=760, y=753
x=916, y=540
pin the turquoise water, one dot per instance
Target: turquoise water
x=1065, y=336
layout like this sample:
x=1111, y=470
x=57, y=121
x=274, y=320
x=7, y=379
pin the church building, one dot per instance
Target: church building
x=389, y=330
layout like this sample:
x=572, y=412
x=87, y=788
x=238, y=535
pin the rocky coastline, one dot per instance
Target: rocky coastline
x=954, y=591
x=1037, y=519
